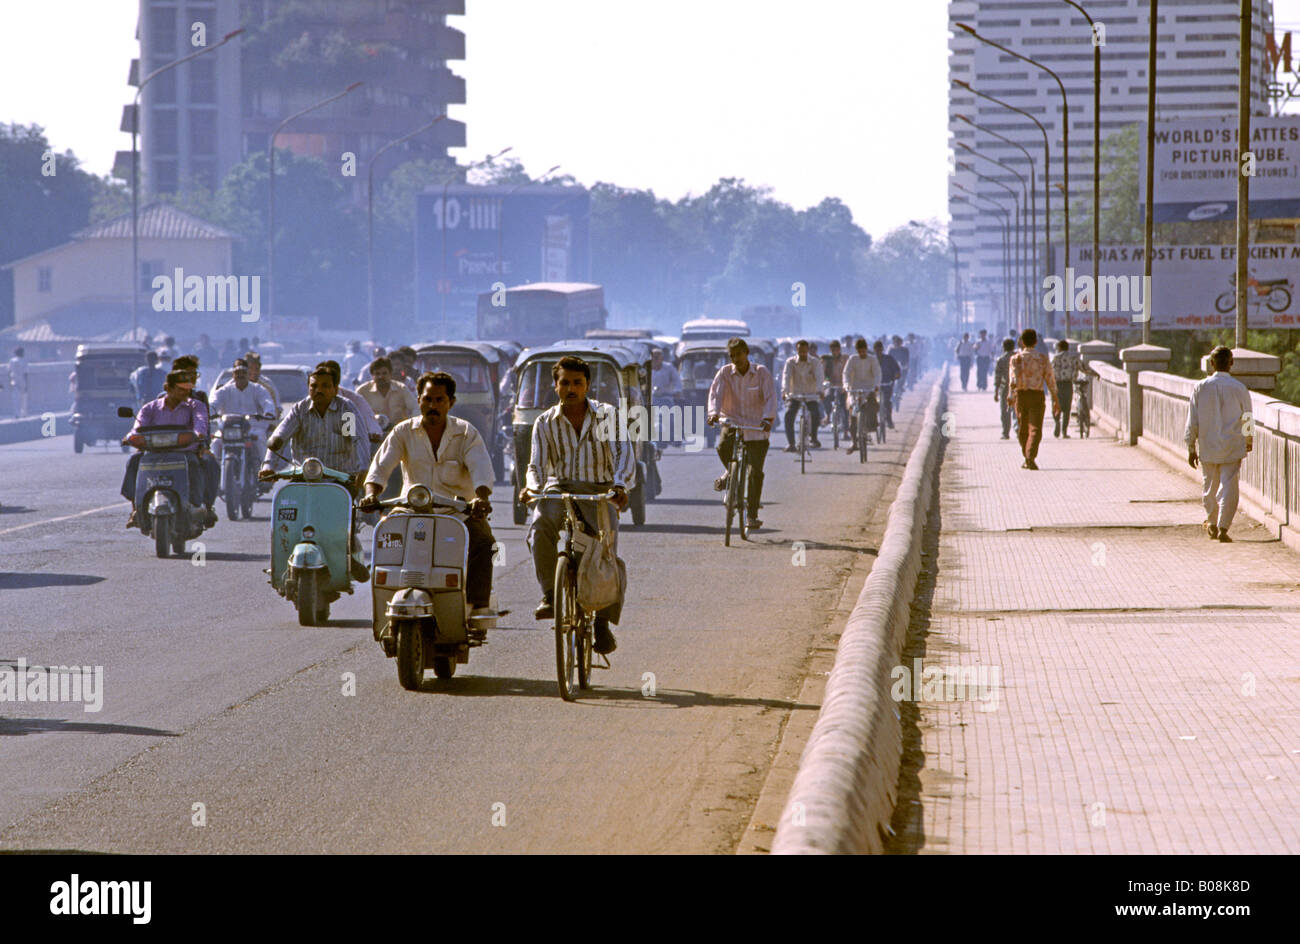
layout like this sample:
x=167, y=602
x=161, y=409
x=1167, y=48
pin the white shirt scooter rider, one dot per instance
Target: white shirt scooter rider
x=241, y=397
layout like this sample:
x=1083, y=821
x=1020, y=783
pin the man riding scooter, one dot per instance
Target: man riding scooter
x=448, y=456
x=241, y=397
x=174, y=408
x=324, y=426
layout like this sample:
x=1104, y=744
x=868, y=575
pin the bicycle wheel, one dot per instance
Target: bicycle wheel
x=584, y=639
x=803, y=439
x=835, y=423
x=566, y=656
x=1085, y=418
x=863, y=437
x=741, y=472
x=731, y=498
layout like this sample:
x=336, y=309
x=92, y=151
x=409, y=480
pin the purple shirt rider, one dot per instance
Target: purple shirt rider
x=188, y=412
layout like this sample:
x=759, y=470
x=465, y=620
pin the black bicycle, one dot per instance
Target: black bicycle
x=1083, y=397
x=737, y=480
x=865, y=416
x=575, y=626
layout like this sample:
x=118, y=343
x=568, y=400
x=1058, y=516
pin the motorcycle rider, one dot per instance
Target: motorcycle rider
x=176, y=407
x=359, y=404
x=318, y=426
x=147, y=381
x=569, y=452
x=448, y=456
x=666, y=384
x=255, y=376
x=353, y=361
x=393, y=400
x=241, y=397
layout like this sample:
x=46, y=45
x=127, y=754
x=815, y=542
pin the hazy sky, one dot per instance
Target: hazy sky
x=817, y=98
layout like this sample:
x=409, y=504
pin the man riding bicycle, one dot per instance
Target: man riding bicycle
x=861, y=375
x=833, y=371
x=889, y=375
x=575, y=448
x=802, y=377
x=744, y=393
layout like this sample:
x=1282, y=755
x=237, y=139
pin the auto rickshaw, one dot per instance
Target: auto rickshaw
x=103, y=377
x=477, y=367
x=699, y=362
x=620, y=376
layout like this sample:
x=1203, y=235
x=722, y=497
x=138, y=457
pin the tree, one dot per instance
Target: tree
x=44, y=199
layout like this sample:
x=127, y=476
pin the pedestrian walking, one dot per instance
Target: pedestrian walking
x=1219, y=420
x=18, y=383
x=1002, y=386
x=965, y=352
x=983, y=359
x=1030, y=372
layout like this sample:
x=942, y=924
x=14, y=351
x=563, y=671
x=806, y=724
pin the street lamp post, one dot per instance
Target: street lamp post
x=956, y=269
x=973, y=197
x=1065, y=138
x=1047, y=167
x=270, y=219
x=1243, y=181
x=1014, y=239
x=1148, y=230
x=1033, y=201
x=442, y=225
x=501, y=216
x=1096, y=168
x=135, y=172
x=370, y=221
x=1022, y=240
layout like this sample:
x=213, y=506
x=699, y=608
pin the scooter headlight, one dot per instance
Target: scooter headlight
x=418, y=496
x=313, y=469
x=308, y=533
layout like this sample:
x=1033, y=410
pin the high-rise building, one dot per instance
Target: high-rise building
x=199, y=120
x=1196, y=75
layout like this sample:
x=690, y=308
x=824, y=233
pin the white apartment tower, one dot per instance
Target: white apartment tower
x=1196, y=62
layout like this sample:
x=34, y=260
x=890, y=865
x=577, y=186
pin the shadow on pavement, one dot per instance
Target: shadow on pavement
x=234, y=556
x=479, y=686
x=15, y=510
x=908, y=822
x=15, y=727
x=32, y=581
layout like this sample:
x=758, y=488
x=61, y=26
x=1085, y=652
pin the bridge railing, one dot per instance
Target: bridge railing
x=1270, y=474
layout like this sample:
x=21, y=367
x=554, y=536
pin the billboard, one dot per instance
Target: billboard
x=1192, y=287
x=1197, y=166
x=483, y=235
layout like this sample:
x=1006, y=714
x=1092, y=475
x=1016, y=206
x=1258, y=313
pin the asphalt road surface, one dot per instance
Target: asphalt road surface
x=213, y=695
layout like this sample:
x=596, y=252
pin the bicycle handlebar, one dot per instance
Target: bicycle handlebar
x=730, y=425
x=602, y=496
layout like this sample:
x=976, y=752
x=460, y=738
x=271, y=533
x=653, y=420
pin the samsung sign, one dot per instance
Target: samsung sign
x=1197, y=163
x=481, y=235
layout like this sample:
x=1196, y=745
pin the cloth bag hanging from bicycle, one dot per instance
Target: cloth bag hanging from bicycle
x=602, y=575
x=871, y=412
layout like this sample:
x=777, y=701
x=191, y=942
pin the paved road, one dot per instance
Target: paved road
x=214, y=694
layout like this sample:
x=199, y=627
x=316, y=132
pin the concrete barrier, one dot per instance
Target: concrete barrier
x=843, y=796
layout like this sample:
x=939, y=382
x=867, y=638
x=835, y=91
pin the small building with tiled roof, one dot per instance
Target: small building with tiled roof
x=81, y=290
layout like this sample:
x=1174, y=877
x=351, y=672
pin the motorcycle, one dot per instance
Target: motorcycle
x=312, y=539
x=420, y=563
x=239, y=462
x=164, y=495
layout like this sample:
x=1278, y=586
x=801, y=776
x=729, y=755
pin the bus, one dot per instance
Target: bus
x=541, y=312
x=714, y=329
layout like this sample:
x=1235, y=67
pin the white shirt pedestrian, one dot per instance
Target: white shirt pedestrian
x=1218, y=420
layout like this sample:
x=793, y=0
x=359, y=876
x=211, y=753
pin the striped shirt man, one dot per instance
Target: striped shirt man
x=596, y=455
x=337, y=439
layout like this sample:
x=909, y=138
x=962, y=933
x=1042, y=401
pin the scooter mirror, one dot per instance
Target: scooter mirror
x=125, y=412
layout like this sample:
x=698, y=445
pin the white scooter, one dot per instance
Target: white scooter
x=419, y=565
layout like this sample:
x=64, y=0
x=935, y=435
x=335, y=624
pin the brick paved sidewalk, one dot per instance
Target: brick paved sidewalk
x=1148, y=679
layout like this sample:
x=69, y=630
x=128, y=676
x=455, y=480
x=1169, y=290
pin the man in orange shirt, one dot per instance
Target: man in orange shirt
x=1031, y=372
